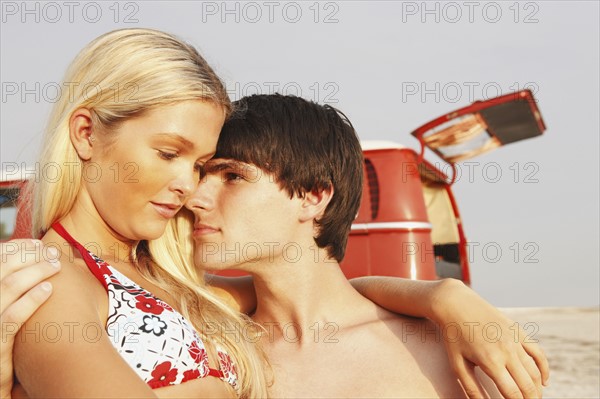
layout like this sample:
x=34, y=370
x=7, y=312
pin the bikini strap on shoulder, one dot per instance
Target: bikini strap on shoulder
x=91, y=263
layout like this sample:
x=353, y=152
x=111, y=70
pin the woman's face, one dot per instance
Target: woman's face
x=140, y=175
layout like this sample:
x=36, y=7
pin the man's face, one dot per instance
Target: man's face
x=242, y=218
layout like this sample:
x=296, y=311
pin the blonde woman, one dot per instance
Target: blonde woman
x=142, y=113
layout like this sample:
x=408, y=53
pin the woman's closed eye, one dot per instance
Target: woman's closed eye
x=166, y=155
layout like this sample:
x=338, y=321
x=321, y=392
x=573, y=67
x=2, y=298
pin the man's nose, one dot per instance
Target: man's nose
x=203, y=197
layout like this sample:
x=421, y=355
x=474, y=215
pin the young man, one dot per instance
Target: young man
x=278, y=201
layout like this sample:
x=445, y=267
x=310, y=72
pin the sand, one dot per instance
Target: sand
x=571, y=339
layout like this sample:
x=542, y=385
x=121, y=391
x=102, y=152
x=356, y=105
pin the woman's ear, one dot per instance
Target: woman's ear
x=315, y=202
x=80, y=131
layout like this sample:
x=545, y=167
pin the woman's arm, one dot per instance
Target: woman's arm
x=475, y=333
x=399, y=295
x=22, y=292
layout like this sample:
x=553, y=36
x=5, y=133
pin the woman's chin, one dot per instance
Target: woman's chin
x=152, y=231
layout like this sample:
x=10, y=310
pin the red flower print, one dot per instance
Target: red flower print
x=148, y=305
x=190, y=375
x=227, y=366
x=197, y=353
x=165, y=305
x=102, y=265
x=162, y=375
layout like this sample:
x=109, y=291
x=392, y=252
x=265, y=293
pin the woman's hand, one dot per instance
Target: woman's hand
x=477, y=334
x=23, y=269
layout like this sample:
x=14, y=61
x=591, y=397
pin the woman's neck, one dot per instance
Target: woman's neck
x=86, y=226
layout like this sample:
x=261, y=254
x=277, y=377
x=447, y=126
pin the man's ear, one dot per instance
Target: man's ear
x=315, y=202
x=80, y=132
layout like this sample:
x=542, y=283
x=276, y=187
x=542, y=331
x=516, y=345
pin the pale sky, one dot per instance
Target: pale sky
x=391, y=66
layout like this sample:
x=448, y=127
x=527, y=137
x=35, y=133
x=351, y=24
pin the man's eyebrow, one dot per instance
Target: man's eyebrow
x=220, y=165
x=176, y=137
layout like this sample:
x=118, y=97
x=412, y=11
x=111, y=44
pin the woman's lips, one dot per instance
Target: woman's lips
x=168, y=211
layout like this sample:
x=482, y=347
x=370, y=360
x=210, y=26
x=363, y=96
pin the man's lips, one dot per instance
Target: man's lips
x=201, y=229
x=167, y=211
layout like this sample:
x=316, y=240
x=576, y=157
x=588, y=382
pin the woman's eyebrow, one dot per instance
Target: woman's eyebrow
x=176, y=137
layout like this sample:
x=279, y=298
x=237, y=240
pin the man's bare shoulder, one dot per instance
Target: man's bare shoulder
x=422, y=342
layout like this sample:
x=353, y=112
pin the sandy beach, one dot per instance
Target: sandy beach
x=571, y=339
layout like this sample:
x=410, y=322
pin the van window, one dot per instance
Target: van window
x=444, y=231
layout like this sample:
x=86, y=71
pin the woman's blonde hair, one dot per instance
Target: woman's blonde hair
x=120, y=75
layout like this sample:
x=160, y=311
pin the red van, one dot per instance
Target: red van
x=409, y=224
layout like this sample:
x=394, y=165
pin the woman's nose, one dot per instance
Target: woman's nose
x=185, y=183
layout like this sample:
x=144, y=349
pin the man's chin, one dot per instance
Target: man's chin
x=215, y=265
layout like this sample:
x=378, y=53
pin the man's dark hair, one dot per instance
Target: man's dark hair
x=306, y=147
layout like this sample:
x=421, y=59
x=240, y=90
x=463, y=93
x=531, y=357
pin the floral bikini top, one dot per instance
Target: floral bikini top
x=153, y=338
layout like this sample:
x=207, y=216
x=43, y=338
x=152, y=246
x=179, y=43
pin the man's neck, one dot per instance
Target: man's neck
x=306, y=295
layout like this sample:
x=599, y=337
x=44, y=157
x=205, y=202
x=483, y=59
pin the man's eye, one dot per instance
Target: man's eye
x=167, y=155
x=233, y=177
